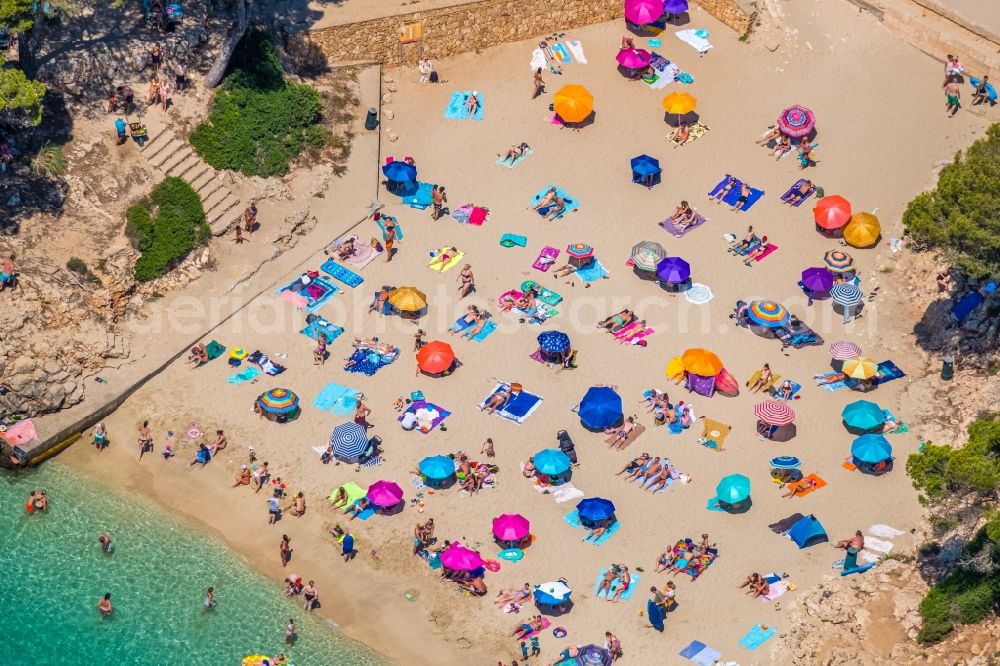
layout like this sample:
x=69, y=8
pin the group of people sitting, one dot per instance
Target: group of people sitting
x=757, y=586
x=687, y=556
x=471, y=475
x=556, y=204
x=652, y=473
x=616, y=572
x=751, y=246
x=666, y=413
x=783, y=145
x=471, y=323
x=528, y=304
x=733, y=184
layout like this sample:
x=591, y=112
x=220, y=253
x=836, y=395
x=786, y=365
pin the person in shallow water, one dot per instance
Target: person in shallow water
x=104, y=606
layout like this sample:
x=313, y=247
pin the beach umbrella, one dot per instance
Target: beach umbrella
x=860, y=368
x=817, y=279
x=595, y=509
x=863, y=230
x=646, y=255
x=768, y=313
x=573, y=103
x=678, y=103
x=673, y=270
x=551, y=462
x=785, y=462
x=580, y=251
x=774, y=412
x=408, y=299
x=593, y=655
x=552, y=594
x=385, y=493
x=633, y=58
x=511, y=527
x=701, y=362
x=871, y=448
x=846, y=294
x=832, y=212
x=437, y=467
x=278, y=401
x=600, y=407
x=400, y=172
x=675, y=6
x=350, y=440
x=435, y=357
x=863, y=415
x=644, y=165
x=643, y=12
x=844, y=350
x=838, y=261
x=733, y=489
x=459, y=558
x=553, y=342
x=796, y=121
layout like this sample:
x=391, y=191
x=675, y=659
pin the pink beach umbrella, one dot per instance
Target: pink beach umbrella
x=460, y=558
x=633, y=58
x=643, y=12
x=511, y=527
x=385, y=494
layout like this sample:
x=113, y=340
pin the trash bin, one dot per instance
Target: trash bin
x=371, y=120
x=947, y=368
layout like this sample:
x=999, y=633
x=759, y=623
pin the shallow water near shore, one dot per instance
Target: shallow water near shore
x=54, y=574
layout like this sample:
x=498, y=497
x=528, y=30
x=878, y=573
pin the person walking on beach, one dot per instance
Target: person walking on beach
x=273, y=510
x=390, y=237
x=285, y=550
x=209, y=602
x=145, y=439
x=261, y=476
x=104, y=606
x=105, y=541
x=467, y=281
x=438, y=199
x=952, y=94
x=361, y=414
x=539, y=84
x=311, y=597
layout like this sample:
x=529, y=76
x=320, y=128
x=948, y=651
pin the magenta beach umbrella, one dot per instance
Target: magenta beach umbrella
x=633, y=58
x=673, y=270
x=384, y=494
x=511, y=527
x=817, y=279
x=460, y=558
x=643, y=12
x=796, y=121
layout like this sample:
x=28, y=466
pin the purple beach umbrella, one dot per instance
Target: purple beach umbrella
x=675, y=6
x=817, y=279
x=673, y=270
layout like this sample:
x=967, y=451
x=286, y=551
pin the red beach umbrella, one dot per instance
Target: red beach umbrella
x=832, y=212
x=435, y=357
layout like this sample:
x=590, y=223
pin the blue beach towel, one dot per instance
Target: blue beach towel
x=615, y=526
x=794, y=189
x=460, y=325
x=510, y=240
x=626, y=595
x=420, y=199
x=456, y=106
x=562, y=53
x=521, y=406
x=245, y=376
x=756, y=637
x=734, y=194
x=381, y=225
x=321, y=327
x=713, y=505
x=338, y=272
x=591, y=272
x=572, y=519
x=336, y=399
x=366, y=514
x=502, y=161
x=488, y=328
x=368, y=362
x=313, y=304
x=571, y=202
x=887, y=371
x=700, y=654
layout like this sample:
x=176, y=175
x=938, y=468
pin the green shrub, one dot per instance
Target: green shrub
x=940, y=471
x=78, y=266
x=935, y=609
x=50, y=160
x=259, y=123
x=973, y=605
x=165, y=226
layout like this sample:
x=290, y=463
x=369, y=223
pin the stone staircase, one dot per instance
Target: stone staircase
x=176, y=157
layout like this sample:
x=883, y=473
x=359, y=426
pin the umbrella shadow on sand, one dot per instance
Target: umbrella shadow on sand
x=555, y=611
x=586, y=122
x=674, y=120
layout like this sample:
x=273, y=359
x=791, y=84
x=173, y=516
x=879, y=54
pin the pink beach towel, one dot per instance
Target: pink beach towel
x=635, y=337
x=547, y=251
x=478, y=216
x=625, y=331
x=363, y=255
x=545, y=625
x=294, y=299
x=513, y=293
x=20, y=433
x=556, y=120
x=770, y=248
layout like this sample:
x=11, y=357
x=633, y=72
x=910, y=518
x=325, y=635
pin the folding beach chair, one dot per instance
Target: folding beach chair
x=713, y=433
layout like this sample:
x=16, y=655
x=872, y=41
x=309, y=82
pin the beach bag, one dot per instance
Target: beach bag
x=434, y=76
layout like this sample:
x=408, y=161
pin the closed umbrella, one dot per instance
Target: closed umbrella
x=553, y=342
x=701, y=362
x=863, y=230
x=459, y=558
x=408, y=299
x=774, y=412
x=437, y=467
x=844, y=350
x=838, y=261
x=595, y=509
x=551, y=462
x=633, y=58
x=768, y=313
x=646, y=255
x=871, y=449
x=796, y=121
x=860, y=368
x=600, y=407
x=673, y=270
x=817, y=279
x=435, y=357
x=832, y=212
x=511, y=527
x=385, y=493
x=350, y=441
x=573, y=103
x=643, y=12
x=552, y=593
x=863, y=415
x=733, y=489
x=400, y=172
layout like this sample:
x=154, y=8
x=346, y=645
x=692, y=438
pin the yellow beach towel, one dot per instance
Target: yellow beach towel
x=436, y=265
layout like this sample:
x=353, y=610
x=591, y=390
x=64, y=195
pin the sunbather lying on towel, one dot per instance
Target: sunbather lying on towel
x=444, y=257
x=773, y=134
x=521, y=631
x=517, y=596
x=758, y=251
x=621, y=434
x=743, y=197
x=378, y=305
x=564, y=271
x=859, y=384
x=641, y=469
x=557, y=209
x=472, y=104
x=786, y=476
x=756, y=585
x=466, y=320
x=763, y=379
x=651, y=471
x=800, y=193
x=684, y=216
x=802, y=488
x=477, y=327
x=660, y=481
x=731, y=182
x=634, y=465
x=639, y=330
x=785, y=391
x=500, y=399
x=681, y=135
x=198, y=356
x=373, y=344
x=343, y=251
x=546, y=199
x=617, y=322
x=527, y=302
x=784, y=146
x=515, y=152
x=744, y=244
x=595, y=532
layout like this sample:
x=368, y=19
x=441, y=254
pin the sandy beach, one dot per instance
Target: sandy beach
x=881, y=130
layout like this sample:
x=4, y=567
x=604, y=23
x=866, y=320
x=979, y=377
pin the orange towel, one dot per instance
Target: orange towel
x=801, y=482
x=848, y=465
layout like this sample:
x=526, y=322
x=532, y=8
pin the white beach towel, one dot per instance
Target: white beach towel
x=877, y=545
x=538, y=60
x=774, y=591
x=700, y=44
x=885, y=531
x=870, y=557
x=566, y=492
x=576, y=48
x=699, y=294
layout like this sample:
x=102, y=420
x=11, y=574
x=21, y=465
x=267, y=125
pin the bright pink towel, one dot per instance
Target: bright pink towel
x=770, y=248
x=547, y=251
x=624, y=332
x=478, y=216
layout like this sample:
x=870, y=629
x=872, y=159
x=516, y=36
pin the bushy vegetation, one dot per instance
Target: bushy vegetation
x=259, y=122
x=50, y=161
x=940, y=472
x=165, y=226
x=21, y=98
x=961, y=216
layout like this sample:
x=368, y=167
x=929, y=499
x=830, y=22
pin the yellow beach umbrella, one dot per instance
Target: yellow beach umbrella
x=573, y=103
x=679, y=103
x=408, y=299
x=860, y=368
x=863, y=230
x=675, y=369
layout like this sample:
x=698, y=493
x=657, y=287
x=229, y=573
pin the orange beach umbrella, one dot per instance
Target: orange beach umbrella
x=701, y=362
x=573, y=103
x=679, y=103
x=435, y=357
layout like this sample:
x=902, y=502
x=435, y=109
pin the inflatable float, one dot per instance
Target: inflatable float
x=991, y=92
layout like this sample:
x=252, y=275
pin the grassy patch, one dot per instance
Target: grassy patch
x=165, y=226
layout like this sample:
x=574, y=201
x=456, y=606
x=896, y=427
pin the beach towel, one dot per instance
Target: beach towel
x=510, y=240
x=636, y=337
x=214, y=350
x=571, y=202
x=561, y=53
x=794, y=188
x=848, y=465
x=791, y=396
x=655, y=615
x=734, y=194
x=830, y=387
x=624, y=331
x=20, y=433
x=488, y=328
x=518, y=408
x=591, y=272
x=771, y=247
x=366, y=514
x=698, y=294
x=381, y=225
x=892, y=419
x=245, y=376
x=460, y=325
x=442, y=268
x=336, y=399
x=700, y=654
x=456, y=106
x=341, y=274
x=884, y=531
x=632, y=436
x=420, y=198
x=820, y=483
x=689, y=36
x=669, y=225
x=576, y=48
x=697, y=130
x=308, y=297
x=538, y=60
x=625, y=595
x=368, y=362
x=549, y=253
x=713, y=433
x=757, y=637
x=545, y=625
x=424, y=426
x=321, y=327
x=354, y=492
x=363, y=255
x=472, y=215
x=504, y=162
x=374, y=461
x=572, y=519
x=261, y=360
x=888, y=371
x=664, y=72
x=775, y=378
x=878, y=545
x=774, y=590
x=566, y=493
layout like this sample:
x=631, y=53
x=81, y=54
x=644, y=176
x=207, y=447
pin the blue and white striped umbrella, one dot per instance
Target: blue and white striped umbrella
x=349, y=440
x=846, y=294
x=553, y=342
x=785, y=462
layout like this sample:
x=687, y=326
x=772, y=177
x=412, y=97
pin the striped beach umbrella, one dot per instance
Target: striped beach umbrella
x=768, y=313
x=437, y=467
x=863, y=230
x=553, y=342
x=350, y=440
x=785, y=462
x=796, y=121
x=860, y=368
x=408, y=299
x=844, y=350
x=838, y=261
x=871, y=449
x=832, y=212
x=774, y=412
x=701, y=362
x=733, y=489
x=863, y=415
x=511, y=527
x=385, y=493
x=551, y=462
x=580, y=251
x=846, y=294
x=278, y=401
x=647, y=254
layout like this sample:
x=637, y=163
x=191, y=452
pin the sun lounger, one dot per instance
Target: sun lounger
x=511, y=240
x=820, y=483
x=341, y=274
x=548, y=252
x=713, y=433
x=669, y=226
x=571, y=202
x=625, y=595
x=794, y=189
x=456, y=109
x=502, y=161
x=757, y=637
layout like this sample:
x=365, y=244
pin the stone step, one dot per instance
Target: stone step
x=176, y=160
x=201, y=180
x=192, y=163
x=214, y=199
x=219, y=218
x=196, y=172
x=168, y=153
x=211, y=188
x=231, y=218
x=165, y=142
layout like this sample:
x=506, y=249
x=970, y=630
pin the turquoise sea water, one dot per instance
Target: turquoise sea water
x=53, y=573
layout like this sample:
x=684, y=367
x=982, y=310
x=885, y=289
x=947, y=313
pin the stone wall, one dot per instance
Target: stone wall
x=474, y=26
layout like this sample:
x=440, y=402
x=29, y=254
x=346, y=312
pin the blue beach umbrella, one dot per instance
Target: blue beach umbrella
x=871, y=449
x=673, y=270
x=349, y=440
x=595, y=509
x=733, y=489
x=785, y=462
x=552, y=594
x=643, y=167
x=400, y=172
x=551, y=462
x=554, y=342
x=600, y=407
x=437, y=467
x=863, y=415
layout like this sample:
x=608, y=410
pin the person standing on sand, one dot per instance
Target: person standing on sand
x=952, y=94
x=145, y=439
x=311, y=597
x=250, y=217
x=390, y=237
x=285, y=550
x=438, y=199
x=361, y=414
x=539, y=84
